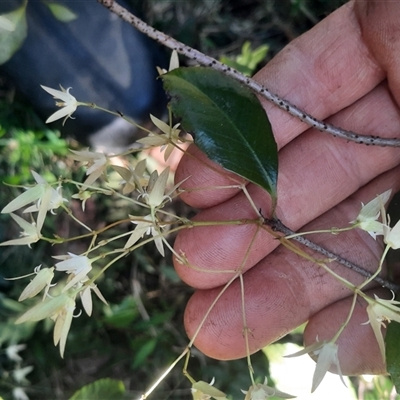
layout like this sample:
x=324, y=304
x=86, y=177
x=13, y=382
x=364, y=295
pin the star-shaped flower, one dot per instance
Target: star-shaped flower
x=19, y=393
x=147, y=226
x=367, y=219
x=19, y=374
x=42, y=280
x=60, y=309
x=379, y=312
x=45, y=197
x=30, y=233
x=68, y=103
x=173, y=63
x=327, y=355
x=261, y=391
x=96, y=162
x=133, y=178
x=205, y=391
x=167, y=140
x=77, y=266
x=13, y=350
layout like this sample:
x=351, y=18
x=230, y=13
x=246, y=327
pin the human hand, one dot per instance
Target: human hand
x=335, y=73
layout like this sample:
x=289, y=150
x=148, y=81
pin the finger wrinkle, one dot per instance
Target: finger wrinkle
x=329, y=62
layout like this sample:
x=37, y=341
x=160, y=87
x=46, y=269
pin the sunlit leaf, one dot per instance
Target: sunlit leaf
x=227, y=121
x=61, y=12
x=11, y=40
x=110, y=389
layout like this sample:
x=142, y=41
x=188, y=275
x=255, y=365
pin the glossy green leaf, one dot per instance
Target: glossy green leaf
x=11, y=40
x=392, y=341
x=227, y=121
x=110, y=389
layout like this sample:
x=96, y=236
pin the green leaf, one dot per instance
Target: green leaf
x=11, y=41
x=110, y=389
x=227, y=121
x=393, y=353
x=61, y=12
x=122, y=315
x=143, y=353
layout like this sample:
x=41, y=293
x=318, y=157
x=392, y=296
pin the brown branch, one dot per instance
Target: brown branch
x=276, y=225
x=205, y=60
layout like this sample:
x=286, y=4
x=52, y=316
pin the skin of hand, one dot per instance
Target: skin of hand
x=336, y=72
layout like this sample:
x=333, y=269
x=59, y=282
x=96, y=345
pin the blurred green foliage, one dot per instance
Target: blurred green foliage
x=247, y=61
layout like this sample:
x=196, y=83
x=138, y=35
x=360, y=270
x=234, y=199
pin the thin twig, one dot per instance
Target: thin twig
x=278, y=226
x=207, y=61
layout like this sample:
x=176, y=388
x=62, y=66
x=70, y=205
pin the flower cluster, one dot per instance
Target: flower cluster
x=59, y=300
x=45, y=198
x=60, y=308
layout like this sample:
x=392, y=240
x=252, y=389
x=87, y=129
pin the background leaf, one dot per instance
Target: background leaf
x=227, y=121
x=102, y=389
x=393, y=353
x=61, y=12
x=11, y=41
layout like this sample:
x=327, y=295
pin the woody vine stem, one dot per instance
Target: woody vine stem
x=261, y=90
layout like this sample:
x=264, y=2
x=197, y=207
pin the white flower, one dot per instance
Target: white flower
x=86, y=297
x=261, y=391
x=63, y=320
x=380, y=311
x=13, y=350
x=68, y=103
x=156, y=188
x=173, y=63
x=84, y=196
x=166, y=140
x=97, y=164
x=30, y=233
x=133, y=177
x=369, y=213
x=204, y=391
x=60, y=309
x=44, y=309
x=77, y=266
x=20, y=373
x=327, y=353
x=154, y=195
x=42, y=280
x=19, y=394
x=149, y=227
x=45, y=197
x=391, y=236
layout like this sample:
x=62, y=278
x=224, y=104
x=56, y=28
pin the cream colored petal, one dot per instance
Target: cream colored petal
x=174, y=61
x=63, y=112
x=161, y=125
x=156, y=195
x=86, y=298
x=31, y=195
x=41, y=280
x=326, y=357
x=44, y=309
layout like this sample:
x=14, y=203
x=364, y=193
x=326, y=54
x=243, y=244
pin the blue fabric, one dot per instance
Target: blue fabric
x=103, y=59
